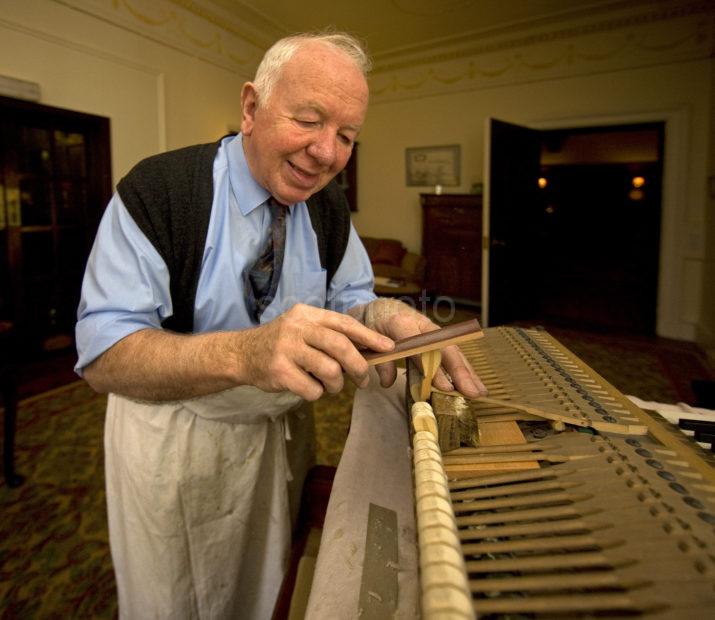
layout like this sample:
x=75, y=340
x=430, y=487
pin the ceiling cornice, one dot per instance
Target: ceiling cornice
x=514, y=28
x=512, y=37
x=602, y=46
x=614, y=35
x=253, y=26
x=194, y=27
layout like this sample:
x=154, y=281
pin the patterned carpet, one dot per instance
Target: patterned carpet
x=54, y=557
x=54, y=560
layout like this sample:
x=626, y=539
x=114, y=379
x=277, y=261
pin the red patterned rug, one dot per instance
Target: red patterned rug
x=54, y=553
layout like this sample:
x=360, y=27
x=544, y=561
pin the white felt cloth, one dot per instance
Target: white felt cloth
x=376, y=467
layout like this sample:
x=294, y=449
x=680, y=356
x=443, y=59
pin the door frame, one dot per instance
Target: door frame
x=486, y=218
x=669, y=321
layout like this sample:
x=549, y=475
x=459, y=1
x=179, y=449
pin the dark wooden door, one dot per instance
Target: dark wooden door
x=55, y=180
x=512, y=221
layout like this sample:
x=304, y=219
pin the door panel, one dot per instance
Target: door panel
x=512, y=215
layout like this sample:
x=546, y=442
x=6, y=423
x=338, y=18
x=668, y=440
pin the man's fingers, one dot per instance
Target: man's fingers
x=464, y=379
x=300, y=382
x=387, y=373
x=349, y=326
x=442, y=380
x=307, y=349
x=340, y=355
x=412, y=326
x=323, y=368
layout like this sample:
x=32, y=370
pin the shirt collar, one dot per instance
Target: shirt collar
x=249, y=194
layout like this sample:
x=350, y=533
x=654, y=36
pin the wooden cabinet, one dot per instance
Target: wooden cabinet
x=55, y=180
x=452, y=245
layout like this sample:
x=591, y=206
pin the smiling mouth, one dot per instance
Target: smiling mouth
x=304, y=174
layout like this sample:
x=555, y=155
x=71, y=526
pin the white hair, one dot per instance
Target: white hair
x=283, y=50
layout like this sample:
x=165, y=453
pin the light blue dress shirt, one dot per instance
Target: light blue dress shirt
x=126, y=283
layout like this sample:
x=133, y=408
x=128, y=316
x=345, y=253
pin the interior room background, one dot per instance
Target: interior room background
x=168, y=73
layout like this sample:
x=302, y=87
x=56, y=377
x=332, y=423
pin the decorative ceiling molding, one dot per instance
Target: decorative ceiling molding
x=547, y=22
x=644, y=39
x=257, y=24
x=189, y=26
x=431, y=8
x=254, y=28
x=492, y=41
x=613, y=36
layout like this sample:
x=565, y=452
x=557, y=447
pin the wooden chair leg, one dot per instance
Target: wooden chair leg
x=9, y=394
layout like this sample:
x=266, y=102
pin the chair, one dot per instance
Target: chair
x=398, y=272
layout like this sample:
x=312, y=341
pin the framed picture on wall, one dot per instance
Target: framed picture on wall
x=432, y=165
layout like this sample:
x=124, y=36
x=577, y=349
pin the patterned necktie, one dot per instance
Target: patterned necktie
x=262, y=279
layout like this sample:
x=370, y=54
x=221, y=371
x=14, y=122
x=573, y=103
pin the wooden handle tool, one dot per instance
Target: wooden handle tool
x=438, y=339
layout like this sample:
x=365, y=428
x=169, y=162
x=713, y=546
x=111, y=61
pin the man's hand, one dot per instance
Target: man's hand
x=306, y=350
x=398, y=320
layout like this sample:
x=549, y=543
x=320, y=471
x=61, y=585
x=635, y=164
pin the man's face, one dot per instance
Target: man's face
x=299, y=139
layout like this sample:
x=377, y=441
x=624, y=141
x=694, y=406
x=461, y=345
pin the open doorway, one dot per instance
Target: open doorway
x=573, y=221
x=600, y=199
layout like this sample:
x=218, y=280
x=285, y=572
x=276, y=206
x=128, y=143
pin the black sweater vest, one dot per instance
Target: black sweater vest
x=169, y=196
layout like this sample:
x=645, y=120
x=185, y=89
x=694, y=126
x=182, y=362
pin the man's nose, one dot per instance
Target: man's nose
x=323, y=148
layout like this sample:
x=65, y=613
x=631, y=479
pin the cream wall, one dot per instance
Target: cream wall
x=169, y=73
x=679, y=93
x=156, y=96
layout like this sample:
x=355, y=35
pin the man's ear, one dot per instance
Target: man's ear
x=249, y=102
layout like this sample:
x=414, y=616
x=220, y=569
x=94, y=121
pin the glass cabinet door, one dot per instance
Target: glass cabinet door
x=55, y=175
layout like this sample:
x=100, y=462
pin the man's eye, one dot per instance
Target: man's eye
x=306, y=123
x=347, y=140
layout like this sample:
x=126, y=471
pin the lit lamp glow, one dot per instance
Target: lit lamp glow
x=637, y=193
x=543, y=182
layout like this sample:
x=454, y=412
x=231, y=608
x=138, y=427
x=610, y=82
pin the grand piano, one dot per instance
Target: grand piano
x=555, y=497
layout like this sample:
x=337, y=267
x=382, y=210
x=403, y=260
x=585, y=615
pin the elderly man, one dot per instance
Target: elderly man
x=204, y=315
